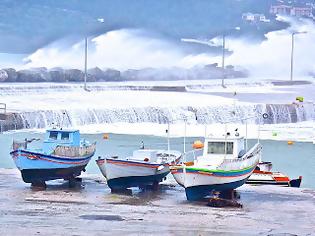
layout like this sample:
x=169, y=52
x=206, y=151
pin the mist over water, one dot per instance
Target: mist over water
x=135, y=49
x=272, y=56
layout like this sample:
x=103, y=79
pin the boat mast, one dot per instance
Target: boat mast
x=185, y=130
x=168, y=138
x=246, y=136
x=225, y=145
x=258, y=135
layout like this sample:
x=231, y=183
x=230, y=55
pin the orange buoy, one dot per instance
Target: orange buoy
x=198, y=144
x=290, y=142
x=105, y=136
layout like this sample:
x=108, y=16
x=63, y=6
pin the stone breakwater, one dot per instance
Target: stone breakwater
x=90, y=209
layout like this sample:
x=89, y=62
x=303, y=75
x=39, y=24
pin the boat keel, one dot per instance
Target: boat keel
x=42, y=175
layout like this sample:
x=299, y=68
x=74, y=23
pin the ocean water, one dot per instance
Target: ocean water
x=295, y=160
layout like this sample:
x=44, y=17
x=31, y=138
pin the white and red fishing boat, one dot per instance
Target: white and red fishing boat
x=224, y=165
x=263, y=175
x=145, y=167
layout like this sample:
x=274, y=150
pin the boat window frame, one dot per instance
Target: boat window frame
x=229, y=147
x=65, y=139
x=53, y=137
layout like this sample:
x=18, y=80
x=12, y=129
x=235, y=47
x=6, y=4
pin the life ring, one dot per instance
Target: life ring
x=265, y=116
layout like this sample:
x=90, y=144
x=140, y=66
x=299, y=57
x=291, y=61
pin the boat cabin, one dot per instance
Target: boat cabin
x=232, y=147
x=144, y=155
x=55, y=137
x=217, y=149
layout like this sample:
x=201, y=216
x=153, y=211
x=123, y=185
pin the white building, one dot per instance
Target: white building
x=305, y=11
x=252, y=17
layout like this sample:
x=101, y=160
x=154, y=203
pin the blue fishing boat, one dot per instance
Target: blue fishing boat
x=63, y=156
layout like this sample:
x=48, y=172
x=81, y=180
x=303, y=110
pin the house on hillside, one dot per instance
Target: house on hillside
x=280, y=9
x=298, y=11
x=254, y=18
x=301, y=11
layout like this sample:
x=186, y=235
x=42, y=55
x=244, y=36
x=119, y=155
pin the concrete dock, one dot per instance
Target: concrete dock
x=90, y=209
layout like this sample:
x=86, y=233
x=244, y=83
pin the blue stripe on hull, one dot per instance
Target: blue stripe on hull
x=43, y=162
x=38, y=175
x=196, y=193
x=56, y=158
x=218, y=173
x=135, y=181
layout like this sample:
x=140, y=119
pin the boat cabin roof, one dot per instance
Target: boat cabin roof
x=63, y=130
x=69, y=137
x=229, y=138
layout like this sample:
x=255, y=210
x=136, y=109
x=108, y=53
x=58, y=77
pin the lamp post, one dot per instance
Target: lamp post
x=209, y=43
x=223, y=55
x=292, y=52
x=100, y=20
x=223, y=58
x=85, y=62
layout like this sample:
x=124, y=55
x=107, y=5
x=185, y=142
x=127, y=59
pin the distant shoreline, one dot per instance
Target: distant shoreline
x=61, y=75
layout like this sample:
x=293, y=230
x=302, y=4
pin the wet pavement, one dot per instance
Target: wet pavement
x=90, y=209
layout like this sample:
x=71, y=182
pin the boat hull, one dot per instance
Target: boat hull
x=199, y=183
x=273, y=178
x=42, y=175
x=37, y=167
x=196, y=193
x=122, y=174
x=135, y=181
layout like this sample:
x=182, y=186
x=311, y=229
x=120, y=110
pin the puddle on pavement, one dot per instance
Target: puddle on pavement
x=102, y=217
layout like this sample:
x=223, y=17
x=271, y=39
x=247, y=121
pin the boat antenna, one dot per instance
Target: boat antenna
x=185, y=131
x=62, y=121
x=226, y=134
x=246, y=145
x=168, y=138
x=258, y=138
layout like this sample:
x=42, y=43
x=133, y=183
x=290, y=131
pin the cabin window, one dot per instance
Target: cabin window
x=64, y=136
x=53, y=135
x=219, y=147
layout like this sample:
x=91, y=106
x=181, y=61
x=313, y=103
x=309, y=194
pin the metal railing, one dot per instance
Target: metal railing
x=19, y=145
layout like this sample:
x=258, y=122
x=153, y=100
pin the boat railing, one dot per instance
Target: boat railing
x=68, y=151
x=247, y=158
x=22, y=144
x=191, y=155
x=19, y=145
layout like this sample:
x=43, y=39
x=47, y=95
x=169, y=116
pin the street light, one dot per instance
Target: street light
x=223, y=55
x=223, y=58
x=292, y=51
x=209, y=43
x=100, y=20
x=85, y=62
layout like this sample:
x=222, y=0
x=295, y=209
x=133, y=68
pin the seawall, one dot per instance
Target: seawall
x=277, y=114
